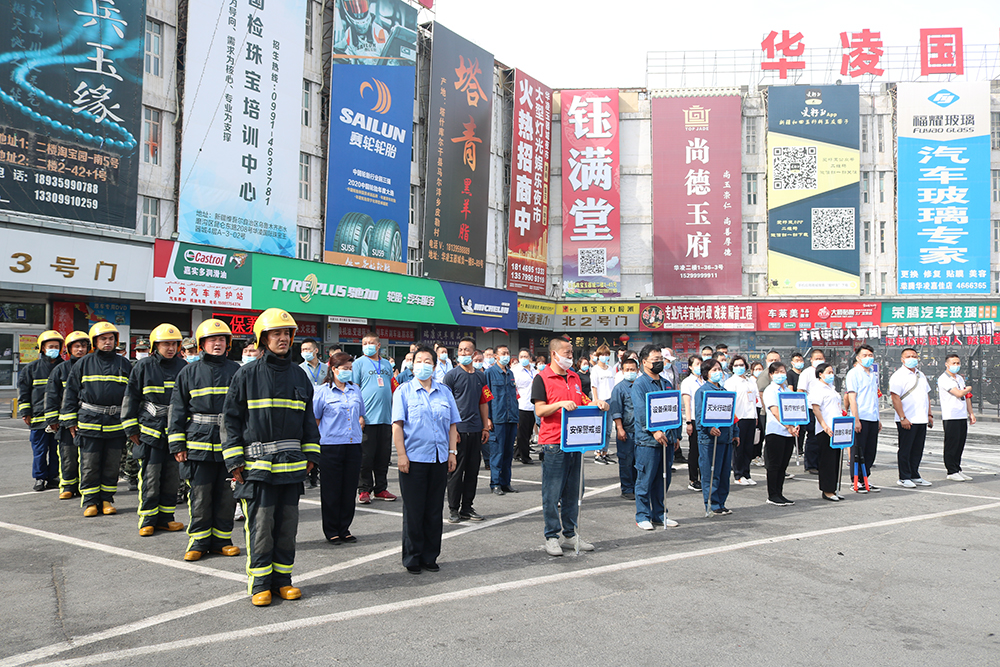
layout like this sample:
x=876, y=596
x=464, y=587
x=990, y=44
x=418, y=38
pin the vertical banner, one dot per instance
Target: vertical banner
x=591, y=193
x=458, y=159
x=528, y=234
x=697, y=196
x=375, y=32
x=242, y=127
x=943, y=201
x=70, y=105
x=368, y=182
x=813, y=190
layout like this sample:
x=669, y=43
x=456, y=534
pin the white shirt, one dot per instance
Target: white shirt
x=864, y=384
x=806, y=378
x=952, y=407
x=602, y=381
x=917, y=405
x=745, y=388
x=829, y=402
x=523, y=377
x=689, y=386
x=771, y=424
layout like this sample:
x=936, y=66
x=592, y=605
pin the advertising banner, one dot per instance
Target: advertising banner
x=794, y=315
x=528, y=234
x=813, y=190
x=242, y=126
x=698, y=316
x=954, y=334
x=458, y=159
x=376, y=32
x=943, y=200
x=896, y=312
x=70, y=109
x=697, y=195
x=201, y=276
x=368, y=182
x=598, y=316
x=591, y=193
x=533, y=314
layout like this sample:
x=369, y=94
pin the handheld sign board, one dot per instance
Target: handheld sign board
x=663, y=410
x=583, y=429
x=793, y=408
x=843, y=433
x=717, y=408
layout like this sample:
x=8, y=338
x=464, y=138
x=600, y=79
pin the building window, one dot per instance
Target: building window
x=754, y=283
x=864, y=187
x=154, y=46
x=305, y=235
x=881, y=187
x=750, y=130
x=864, y=136
x=150, y=135
x=867, y=225
x=866, y=289
x=881, y=134
x=885, y=282
x=881, y=236
x=304, y=176
x=996, y=282
x=309, y=26
x=996, y=236
x=306, y=102
x=752, y=238
x=150, y=224
x=751, y=189
x=995, y=130
x=995, y=179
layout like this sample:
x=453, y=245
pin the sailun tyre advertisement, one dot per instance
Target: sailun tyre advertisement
x=368, y=188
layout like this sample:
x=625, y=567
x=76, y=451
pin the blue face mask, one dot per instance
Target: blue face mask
x=490, y=362
x=911, y=362
x=779, y=378
x=247, y=360
x=344, y=375
x=829, y=379
x=464, y=359
x=739, y=370
x=504, y=360
x=605, y=359
x=631, y=375
x=525, y=362
x=706, y=357
x=369, y=350
x=798, y=365
x=53, y=353
x=867, y=362
x=724, y=362
x=191, y=358
x=584, y=367
x=954, y=368
x=715, y=377
x=308, y=356
x=407, y=365
x=478, y=365
x=422, y=371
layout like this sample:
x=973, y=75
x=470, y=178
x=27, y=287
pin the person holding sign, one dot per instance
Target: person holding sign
x=862, y=399
x=624, y=418
x=654, y=451
x=557, y=388
x=715, y=445
x=910, y=393
x=744, y=386
x=827, y=406
x=956, y=416
x=779, y=439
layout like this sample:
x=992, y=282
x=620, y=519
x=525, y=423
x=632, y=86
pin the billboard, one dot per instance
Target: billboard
x=70, y=107
x=201, y=276
x=591, y=193
x=695, y=316
x=697, y=195
x=813, y=190
x=458, y=159
x=528, y=233
x=368, y=184
x=943, y=195
x=375, y=32
x=903, y=312
x=242, y=126
x=804, y=315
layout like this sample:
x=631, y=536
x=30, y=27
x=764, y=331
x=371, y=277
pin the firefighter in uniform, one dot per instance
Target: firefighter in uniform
x=91, y=410
x=144, y=416
x=31, y=381
x=195, y=425
x=270, y=441
x=77, y=345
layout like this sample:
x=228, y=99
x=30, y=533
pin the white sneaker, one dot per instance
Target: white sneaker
x=905, y=483
x=751, y=482
x=572, y=542
x=670, y=523
x=743, y=481
x=552, y=547
x=967, y=477
x=238, y=516
x=920, y=481
x=956, y=477
x=644, y=525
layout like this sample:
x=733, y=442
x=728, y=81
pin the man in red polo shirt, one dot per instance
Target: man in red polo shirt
x=554, y=389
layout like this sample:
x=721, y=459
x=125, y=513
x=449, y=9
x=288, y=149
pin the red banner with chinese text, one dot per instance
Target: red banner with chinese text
x=694, y=316
x=796, y=315
x=528, y=235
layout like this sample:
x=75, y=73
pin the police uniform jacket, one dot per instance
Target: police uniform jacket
x=268, y=422
x=31, y=381
x=200, y=390
x=54, y=389
x=147, y=398
x=92, y=400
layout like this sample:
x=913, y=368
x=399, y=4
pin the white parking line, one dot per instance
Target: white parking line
x=372, y=510
x=479, y=591
x=22, y=493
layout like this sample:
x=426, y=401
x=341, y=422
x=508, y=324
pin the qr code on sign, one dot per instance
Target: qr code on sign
x=592, y=261
x=794, y=167
x=833, y=229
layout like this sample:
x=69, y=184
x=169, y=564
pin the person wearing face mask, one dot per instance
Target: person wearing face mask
x=798, y=363
x=690, y=385
x=862, y=401
x=406, y=372
x=602, y=383
x=623, y=416
x=144, y=418
x=373, y=375
x=468, y=386
x=722, y=357
x=826, y=406
x=77, y=345
x=779, y=438
x=583, y=366
x=757, y=371
x=141, y=349
x=715, y=445
x=504, y=413
x=654, y=450
x=806, y=383
x=443, y=363
x=956, y=416
x=250, y=353
x=524, y=375
x=910, y=394
x=479, y=363
x=489, y=358
x=744, y=386
x=707, y=353
x=31, y=381
x=188, y=350
x=315, y=371
x=194, y=427
x=340, y=412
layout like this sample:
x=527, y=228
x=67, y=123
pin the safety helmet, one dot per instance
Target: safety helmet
x=358, y=14
x=77, y=336
x=99, y=329
x=271, y=319
x=164, y=333
x=214, y=327
x=46, y=336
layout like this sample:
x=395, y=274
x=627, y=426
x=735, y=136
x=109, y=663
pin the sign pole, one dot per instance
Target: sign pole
x=711, y=478
x=579, y=504
x=665, y=486
x=840, y=471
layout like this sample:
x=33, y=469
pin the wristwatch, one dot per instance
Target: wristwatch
x=453, y=451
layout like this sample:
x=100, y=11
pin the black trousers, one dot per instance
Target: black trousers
x=811, y=450
x=341, y=465
x=777, y=453
x=462, y=482
x=376, y=446
x=744, y=453
x=758, y=449
x=955, y=432
x=866, y=445
x=69, y=461
x=210, y=504
x=525, y=427
x=99, y=460
x=272, y=521
x=829, y=463
x=158, y=480
x=911, y=450
x=694, y=468
x=423, y=499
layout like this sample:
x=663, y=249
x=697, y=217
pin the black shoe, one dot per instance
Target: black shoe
x=335, y=540
x=722, y=511
x=781, y=502
x=812, y=471
x=610, y=458
x=431, y=567
x=471, y=515
x=52, y=484
x=312, y=483
x=133, y=485
x=454, y=517
x=497, y=491
x=528, y=461
x=680, y=459
x=349, y=538
x=415, y=569
x=787, y=501
x=628, y=496
x=39, y=485
x=694, y=486
x=507, y=489
x=601, y=460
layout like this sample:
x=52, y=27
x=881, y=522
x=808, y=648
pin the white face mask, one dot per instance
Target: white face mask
x=817, y=362
x=565, y=363
x=141, y=355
